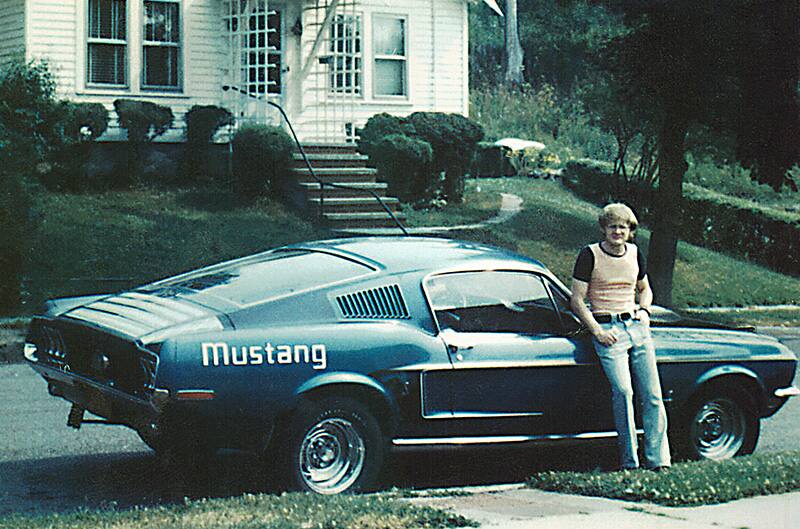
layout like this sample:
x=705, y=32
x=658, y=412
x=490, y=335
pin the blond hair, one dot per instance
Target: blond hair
x=618, y=212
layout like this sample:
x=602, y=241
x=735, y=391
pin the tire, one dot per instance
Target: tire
x=332, y=446
x=720, y=423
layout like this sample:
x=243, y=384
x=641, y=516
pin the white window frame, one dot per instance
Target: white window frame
x=100, y=41
x=178, y=46
x=404, y=58
x=353, y=76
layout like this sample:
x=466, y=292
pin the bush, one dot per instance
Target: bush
x=144, y=122
x=202, y=122
x=28, y=127
x=378, y=127
x=261, y=156
x=405, y=164
x=81, y=123
x=454, y=139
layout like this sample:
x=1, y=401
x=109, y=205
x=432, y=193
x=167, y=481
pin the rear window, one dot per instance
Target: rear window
x=254, y=279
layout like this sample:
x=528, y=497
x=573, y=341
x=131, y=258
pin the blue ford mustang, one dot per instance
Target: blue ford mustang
x=326, y=355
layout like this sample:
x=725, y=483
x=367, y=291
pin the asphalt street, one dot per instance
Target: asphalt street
x=47, y=467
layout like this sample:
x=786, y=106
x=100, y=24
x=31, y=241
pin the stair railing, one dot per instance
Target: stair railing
x=321, y=183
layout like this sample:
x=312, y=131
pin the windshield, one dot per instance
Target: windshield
x=254, y=279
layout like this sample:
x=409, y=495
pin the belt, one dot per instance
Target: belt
x=608, y=318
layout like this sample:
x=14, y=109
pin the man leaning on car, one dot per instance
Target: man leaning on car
x=610, y=274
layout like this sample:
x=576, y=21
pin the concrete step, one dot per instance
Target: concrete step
x=361, y=220
x=336, y=174
x=353, y=204
x=331, y=148
x=359, y=189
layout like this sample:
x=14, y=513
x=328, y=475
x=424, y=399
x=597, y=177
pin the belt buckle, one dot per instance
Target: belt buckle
x=623, y=316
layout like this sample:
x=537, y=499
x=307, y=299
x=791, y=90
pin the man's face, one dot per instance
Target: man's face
x=617, y=233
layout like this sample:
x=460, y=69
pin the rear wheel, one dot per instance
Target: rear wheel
x=332, y=446
x=720, y=423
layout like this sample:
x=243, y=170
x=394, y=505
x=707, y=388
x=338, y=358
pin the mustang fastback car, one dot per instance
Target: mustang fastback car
x=323, y=356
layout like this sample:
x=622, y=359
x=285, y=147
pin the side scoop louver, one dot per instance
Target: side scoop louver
x=381, y=302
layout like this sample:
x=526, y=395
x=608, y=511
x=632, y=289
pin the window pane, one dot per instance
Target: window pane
x=107, y=19
x=161, y=66
x=161, y=22
x=390, y=77
x=106, y=64
x=493, y=302
x=390, y=36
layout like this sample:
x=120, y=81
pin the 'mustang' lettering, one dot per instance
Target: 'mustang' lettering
x=222, y=354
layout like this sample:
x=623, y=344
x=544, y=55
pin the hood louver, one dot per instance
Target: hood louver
x=381, y=302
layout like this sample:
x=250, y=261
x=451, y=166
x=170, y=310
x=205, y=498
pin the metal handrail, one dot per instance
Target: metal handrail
x=321, y=183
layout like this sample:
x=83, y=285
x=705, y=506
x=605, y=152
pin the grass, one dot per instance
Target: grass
x=685, y=484
x=256, y=511
x=106, y=242
x=478, y=205
x=554, y=224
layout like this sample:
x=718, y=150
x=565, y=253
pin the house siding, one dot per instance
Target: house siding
x=437, y=72
x=12, y=29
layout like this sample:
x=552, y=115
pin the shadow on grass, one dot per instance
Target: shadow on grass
x=211, y=200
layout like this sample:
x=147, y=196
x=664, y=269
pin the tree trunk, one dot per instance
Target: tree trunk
x=513, y=48
x=667, y=209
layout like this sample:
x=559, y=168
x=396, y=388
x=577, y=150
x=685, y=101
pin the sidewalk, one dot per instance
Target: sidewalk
x=518, y=507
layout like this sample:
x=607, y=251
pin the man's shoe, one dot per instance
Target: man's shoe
x=661, y=468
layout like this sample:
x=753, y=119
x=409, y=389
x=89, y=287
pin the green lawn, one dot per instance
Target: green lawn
x=105, y=242
x=255, y=511
x=691, y=483
x=554, y=224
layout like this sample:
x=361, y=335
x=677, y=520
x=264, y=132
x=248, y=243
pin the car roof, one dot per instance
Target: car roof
x=399, y=254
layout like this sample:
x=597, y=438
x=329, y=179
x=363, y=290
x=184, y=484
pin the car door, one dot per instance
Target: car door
x=520, y=367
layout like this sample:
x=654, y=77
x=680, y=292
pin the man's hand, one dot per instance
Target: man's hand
x=606, y=337
x=644, y=317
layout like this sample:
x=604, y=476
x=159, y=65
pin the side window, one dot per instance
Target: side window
x=492, y=301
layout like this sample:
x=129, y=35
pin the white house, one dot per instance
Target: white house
x=330, y=63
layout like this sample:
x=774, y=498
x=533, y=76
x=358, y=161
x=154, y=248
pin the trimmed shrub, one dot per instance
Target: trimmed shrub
x=144, y=122
x=81, y=124
x=454, y=139
x=261, y=156
x=202, y=122
x=405, y=164
x=378, y=127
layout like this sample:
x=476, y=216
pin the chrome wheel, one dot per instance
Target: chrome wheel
x=718, y=429
x=331, y=456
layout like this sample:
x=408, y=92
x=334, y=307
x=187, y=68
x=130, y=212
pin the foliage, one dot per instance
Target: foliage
x=560, y=122
x=257, y=511
x=708, y=218
x=405, y=163
x=81, y=123
x=261, y=157
x=452, y=138
x=695, y=483
x=144, y=122
x=202, y=123
x=28, y=118
x=378, y=127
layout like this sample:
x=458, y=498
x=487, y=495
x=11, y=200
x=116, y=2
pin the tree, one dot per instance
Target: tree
x=680, y=67
x=513, y=49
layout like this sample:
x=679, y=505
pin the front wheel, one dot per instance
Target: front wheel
x=332, y=446
x=719, y=424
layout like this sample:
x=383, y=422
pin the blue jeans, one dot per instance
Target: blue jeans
x=633, y=354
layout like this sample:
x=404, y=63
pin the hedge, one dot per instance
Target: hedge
x=735, y=226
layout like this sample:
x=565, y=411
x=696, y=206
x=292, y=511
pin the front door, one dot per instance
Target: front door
x=518, y=371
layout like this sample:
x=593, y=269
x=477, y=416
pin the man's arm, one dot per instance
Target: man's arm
x=581, y=310
x=645, y=299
